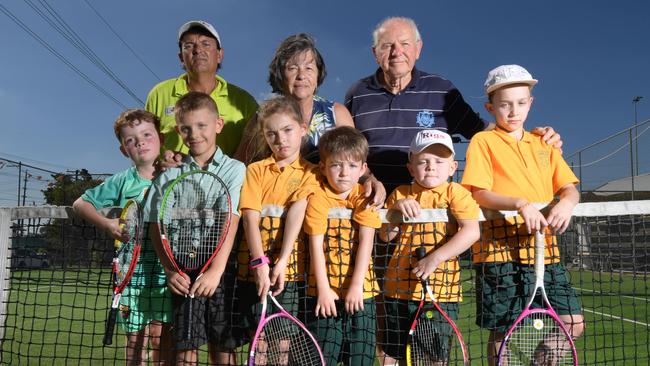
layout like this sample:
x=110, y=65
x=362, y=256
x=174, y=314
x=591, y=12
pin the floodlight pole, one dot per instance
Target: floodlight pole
x=636, y=101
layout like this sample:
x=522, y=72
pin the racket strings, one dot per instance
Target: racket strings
x=426, y=345
x=538, y=340
x=195, y=218
x=282, y=342
x=133, y=224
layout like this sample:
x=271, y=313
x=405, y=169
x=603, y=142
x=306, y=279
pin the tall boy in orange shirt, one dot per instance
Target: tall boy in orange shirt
x=507, y=169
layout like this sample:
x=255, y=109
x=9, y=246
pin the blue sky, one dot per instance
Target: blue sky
x=591, y=59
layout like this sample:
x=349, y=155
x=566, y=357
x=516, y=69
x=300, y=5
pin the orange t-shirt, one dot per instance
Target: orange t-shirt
x=341, y=237
x=265, y=185
x=399, y=282
x=528, y=168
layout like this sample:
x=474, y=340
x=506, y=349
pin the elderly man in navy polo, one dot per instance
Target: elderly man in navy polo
x=390, y=106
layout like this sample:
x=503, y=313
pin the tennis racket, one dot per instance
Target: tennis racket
x=281, y=339
x=431, y=340
x=538, y=336
x=194, y=221
x=125, y=260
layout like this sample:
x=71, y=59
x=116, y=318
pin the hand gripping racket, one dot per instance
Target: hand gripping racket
x=194, y=221
x=281, y=339
x=538, y=336
x=433, y=340
x=125, y=260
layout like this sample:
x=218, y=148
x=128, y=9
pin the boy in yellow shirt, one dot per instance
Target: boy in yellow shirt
x=342, y=283
x=431, y=163
x=507, y=169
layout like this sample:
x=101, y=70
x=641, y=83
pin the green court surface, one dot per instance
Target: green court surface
x=57, y=318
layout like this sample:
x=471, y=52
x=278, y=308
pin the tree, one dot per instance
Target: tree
x=65, y=189
x=71, y=240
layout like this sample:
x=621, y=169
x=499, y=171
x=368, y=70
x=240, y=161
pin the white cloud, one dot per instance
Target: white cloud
x=265, y=95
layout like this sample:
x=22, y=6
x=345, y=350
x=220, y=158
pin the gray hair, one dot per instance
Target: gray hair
x=380, y=27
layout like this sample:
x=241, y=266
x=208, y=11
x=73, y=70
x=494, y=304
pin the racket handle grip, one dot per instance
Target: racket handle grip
x=110, y=327
x=420, y=253
x=187, y=313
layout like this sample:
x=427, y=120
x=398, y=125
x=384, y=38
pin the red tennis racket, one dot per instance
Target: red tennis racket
x=124, y=261
x=433, y=340
x=194, y=221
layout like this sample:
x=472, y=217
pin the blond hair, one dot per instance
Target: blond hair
x=194, y=101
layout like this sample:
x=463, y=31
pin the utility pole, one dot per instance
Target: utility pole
x=25, y=186
x=20, y=174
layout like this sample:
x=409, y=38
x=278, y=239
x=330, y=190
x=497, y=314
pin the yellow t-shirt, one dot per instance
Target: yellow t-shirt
x=529, y=169
x=236, y=108
x=399, y=281
x=266, y=184
x=341, y=237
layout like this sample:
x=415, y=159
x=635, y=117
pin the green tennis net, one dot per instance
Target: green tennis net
x=55, y=275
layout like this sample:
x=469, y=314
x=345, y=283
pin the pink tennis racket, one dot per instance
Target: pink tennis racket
x=281, y=339
x=538, y=336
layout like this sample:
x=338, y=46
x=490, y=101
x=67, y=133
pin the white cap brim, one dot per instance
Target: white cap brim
x=529, y=82
x=201, y=24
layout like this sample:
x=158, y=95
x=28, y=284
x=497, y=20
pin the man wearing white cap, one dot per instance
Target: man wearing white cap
x=201, y=53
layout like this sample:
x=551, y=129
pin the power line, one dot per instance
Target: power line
x=65, y=30
x=47, y=46
x=27, y=165
x=122, y=40
x=23, y=158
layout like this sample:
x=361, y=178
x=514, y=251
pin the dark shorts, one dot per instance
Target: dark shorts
x=347, y=338
x=292, y=299
x=212, y=318
x=503, y=289
x=399, y=317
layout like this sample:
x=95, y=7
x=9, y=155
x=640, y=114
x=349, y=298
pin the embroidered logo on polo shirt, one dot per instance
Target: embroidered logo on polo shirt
x=544, y=157
x=292, y=185
x=425, y=118
x=169, y=111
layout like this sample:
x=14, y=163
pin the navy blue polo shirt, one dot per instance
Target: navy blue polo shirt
x=390, y=121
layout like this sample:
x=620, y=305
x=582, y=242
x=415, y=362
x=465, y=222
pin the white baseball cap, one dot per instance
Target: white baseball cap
x=202, y=24
x=426, y=138
x=506, y=75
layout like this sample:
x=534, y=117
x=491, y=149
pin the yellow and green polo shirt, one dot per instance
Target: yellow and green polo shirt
x=235, y=105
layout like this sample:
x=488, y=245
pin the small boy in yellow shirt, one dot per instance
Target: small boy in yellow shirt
x=508, y=168
x=431, y=163
x=342, y=283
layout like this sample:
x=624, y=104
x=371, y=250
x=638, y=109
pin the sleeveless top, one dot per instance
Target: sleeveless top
x=322, y=120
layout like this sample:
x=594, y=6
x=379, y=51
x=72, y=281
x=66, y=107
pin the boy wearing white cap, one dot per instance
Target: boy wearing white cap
x=508, y=168
x=431, y=163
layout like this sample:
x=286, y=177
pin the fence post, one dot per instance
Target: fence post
x=5, y=265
